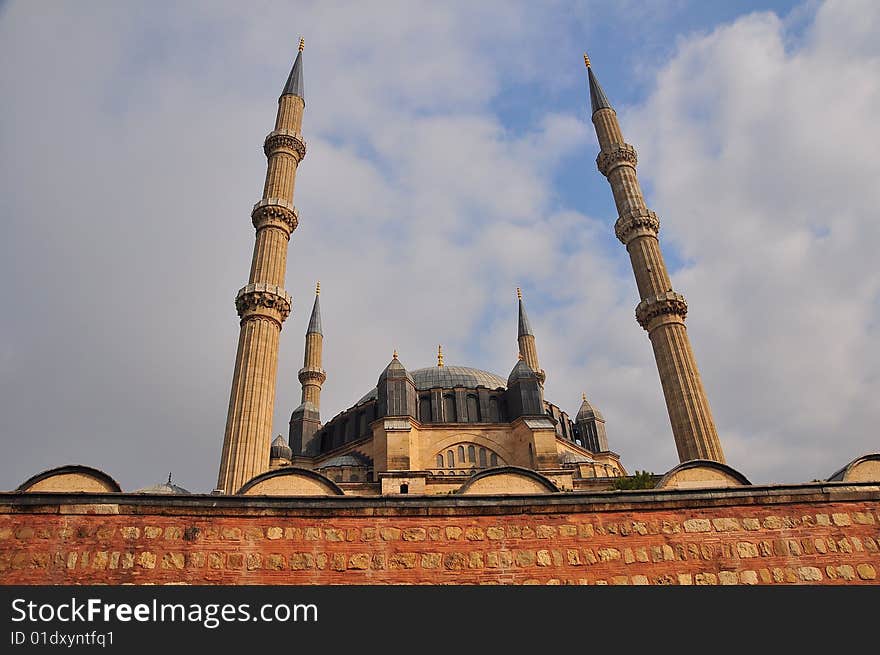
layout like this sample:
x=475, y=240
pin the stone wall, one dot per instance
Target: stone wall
x=804, y=534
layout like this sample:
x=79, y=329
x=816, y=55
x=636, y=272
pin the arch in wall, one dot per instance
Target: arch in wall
x=507, y=480
x=862, y=469
x=504, y=453
x=702, y=473
x=290, y=481
x=72, y=478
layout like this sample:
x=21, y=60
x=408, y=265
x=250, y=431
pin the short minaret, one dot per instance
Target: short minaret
x=311, y=375
x=263, y=304
x=526, y=339
x=661, y=311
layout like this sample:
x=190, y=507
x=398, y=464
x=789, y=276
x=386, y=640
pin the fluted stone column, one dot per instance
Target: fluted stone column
x=661, y=311
x=263, y=304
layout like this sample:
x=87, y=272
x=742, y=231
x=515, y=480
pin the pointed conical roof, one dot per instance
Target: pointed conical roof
x=598, y=99
x=587, y=411
x=315, y=320
x=524, y=327
x=395, y=369
x=294, y=86
x=521, y=371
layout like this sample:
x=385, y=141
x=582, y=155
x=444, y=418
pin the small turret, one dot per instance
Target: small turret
x=396, y=391
x=591, y=427
x=280, y=453
x=524, y=394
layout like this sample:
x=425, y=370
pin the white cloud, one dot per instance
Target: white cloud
x=764, y=171
x=131, y=156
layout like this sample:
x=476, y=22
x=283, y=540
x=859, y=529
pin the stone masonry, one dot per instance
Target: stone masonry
x=806, y=534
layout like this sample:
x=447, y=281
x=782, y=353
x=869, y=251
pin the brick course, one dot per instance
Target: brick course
x=697, y=538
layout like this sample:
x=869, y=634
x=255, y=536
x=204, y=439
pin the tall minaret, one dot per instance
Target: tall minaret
x=661, y=311
x=263, y=304
x=311, y=375
x=526, y=340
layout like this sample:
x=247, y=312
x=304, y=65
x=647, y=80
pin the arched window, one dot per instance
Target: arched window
x=531, y=456
x=449, y=408
x=473, y=411
x=471, y=454
x=363, y=424
x=450, y=459
x=439, y=460
x=425, y=409
x=494, y=459
x=483, y=458
x=494, y=412
x=461, y=455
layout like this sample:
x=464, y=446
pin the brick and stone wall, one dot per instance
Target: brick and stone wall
x=804, y=534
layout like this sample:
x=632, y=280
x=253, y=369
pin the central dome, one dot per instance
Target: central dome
x=448, y=377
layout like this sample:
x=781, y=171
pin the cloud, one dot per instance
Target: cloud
x=761, y=157
x=438, y=178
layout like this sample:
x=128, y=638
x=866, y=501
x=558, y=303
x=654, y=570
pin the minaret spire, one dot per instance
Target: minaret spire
x=661, y=311
x=527, y=348
x=294, y=85
x=263, y=304
x=598, y=99
x=311, y=375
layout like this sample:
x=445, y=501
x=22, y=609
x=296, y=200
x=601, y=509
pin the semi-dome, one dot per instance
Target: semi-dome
x=448, y=377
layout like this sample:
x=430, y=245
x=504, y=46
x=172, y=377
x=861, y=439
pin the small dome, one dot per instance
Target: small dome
x=569, y=457
x=349, y=459
x=165, y=488
x=521, y=371
x=280, y=449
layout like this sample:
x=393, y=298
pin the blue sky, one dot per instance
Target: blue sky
x=451, y=159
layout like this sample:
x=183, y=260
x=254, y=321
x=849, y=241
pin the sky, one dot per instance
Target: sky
x=451, y=159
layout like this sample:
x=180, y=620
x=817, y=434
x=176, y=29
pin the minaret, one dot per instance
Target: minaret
x=311, y=375
x=263, y=304
x=661, y=311
x=526, y=340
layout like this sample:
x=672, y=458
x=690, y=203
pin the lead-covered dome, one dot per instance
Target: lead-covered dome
x=449, y=377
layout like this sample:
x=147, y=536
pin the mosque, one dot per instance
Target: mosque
x=445, y=474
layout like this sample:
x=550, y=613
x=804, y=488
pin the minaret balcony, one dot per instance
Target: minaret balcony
x=263, y=299
x=636, y=223
x=617, y=154
x=285, y=141
x=670, y=305
x=275, y=212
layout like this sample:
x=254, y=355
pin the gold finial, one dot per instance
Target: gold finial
x=586, y=60
x=395, y=353
x=302, y=44
x=440, y=356
x=519, y=293
x=584, y=397
x=318, y=288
